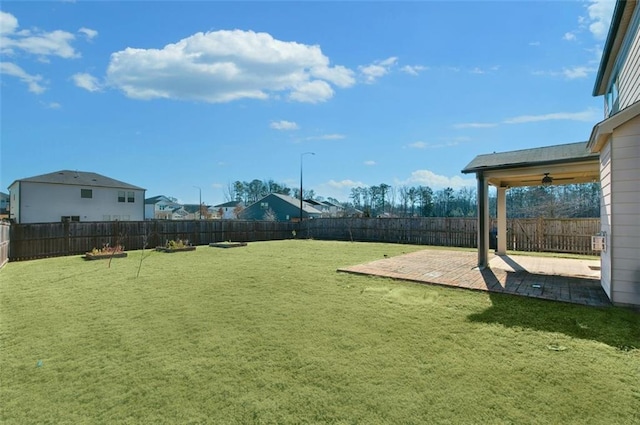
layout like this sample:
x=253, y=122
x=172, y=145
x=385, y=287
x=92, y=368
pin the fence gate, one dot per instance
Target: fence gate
x=4, y=243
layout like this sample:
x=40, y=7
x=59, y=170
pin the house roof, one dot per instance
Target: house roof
x=566, y=164
x=620, y=20
x=572, y=152
x=229, y=204
x=155, y=199
x=306, y=207
x=193, y=208
x=602, y=130
x=78, y=178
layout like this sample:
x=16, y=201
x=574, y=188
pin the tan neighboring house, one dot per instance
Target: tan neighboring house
x=617, y=141
x=74, y=196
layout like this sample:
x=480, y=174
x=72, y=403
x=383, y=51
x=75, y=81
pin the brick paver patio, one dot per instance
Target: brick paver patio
x=539, y=277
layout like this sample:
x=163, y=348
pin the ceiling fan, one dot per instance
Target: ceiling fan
x=547, y=180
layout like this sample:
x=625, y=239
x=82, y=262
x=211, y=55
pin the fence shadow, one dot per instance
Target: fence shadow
x=614, y=326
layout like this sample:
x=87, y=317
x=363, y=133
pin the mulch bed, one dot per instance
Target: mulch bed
x=227, y=244
x=90, y=256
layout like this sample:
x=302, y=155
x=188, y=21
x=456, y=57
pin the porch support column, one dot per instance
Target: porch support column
x=502, y=221
x=483, y=221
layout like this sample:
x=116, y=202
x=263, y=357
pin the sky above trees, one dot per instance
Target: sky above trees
x=176, y=96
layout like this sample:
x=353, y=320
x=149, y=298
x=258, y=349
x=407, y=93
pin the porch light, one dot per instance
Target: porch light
x=547, y=180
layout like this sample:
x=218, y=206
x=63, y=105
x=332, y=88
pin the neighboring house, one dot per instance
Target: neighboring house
x=617, y=140
x=74, y=196
x=335, y=210
x=159, y=208
x=4, y=203
x=612, y=155
x=327, y=208
x=196, y=212
x=279, y=208
x=229, y=210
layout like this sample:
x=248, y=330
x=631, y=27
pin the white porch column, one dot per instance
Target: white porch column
x=502, y=221
x=483, y=221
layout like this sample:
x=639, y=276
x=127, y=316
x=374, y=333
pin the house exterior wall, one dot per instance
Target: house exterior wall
x=283, y=210
x=46, y=202
x=629, y=64
x=625, y=213
x=4, y=203
x=14, y=203
x=605, y=217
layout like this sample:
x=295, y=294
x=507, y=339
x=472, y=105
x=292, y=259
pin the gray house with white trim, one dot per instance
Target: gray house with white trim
x=74, y=196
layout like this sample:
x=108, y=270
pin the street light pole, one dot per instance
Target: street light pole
x=302, y=156
x=200, y=204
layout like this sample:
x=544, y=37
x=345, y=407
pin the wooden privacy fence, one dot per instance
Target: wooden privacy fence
x=567, y=235
x=4, y=243
x=30, y=241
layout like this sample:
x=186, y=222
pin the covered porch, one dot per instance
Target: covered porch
x=553, y=165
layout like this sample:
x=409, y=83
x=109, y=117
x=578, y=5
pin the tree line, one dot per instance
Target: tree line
x=383, y=200
x=252, y=191
x=566, y=201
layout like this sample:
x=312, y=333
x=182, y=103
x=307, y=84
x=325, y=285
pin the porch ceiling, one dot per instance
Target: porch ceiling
x=566, y=164
x=571, y=173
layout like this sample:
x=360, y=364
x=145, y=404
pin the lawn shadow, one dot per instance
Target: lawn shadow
x=614, y=326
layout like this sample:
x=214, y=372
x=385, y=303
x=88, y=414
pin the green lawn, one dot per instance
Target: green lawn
x=271, y=333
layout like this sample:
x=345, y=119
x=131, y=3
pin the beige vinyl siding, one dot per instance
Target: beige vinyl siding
x=629, y=75
x=625, y=218
x=605, y=216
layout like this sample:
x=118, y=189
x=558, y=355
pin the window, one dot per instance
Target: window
x=264, y=205
x=106, y=217
x=131, y=197
x=121, y=196
x=68, y=218
x=612, y=102
x=86, y=193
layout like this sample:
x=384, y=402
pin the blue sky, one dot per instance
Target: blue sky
x=172, y=95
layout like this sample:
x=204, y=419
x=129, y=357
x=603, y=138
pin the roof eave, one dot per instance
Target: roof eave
x=529, y=164
x=599, y=86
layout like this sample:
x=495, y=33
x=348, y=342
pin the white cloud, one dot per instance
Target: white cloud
x=569, y=36
x=87, y=82
x=475, y=125
x=370, y=163
x=600, y=13
x=89, y=33
x=413, y=69
x=534, y=43
x=437, y=181
x=418, y=145
x=338, y=189
x=51, y=105
x=477, y=70
x=32, y=81
x=590, y=115
x=283, y=125
x=577, y=72
x=223, y=66
x=312, y=92
x=36, y=42
x=377, y=69
x=8, y=23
